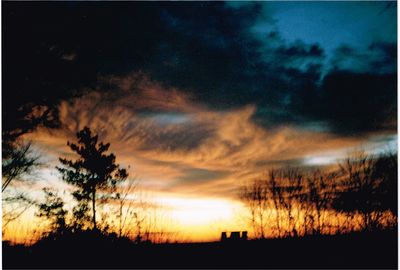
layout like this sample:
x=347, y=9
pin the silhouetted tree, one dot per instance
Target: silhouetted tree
x=125, y=210
x=93, y=172
x=277, y=199
x=319, y=196
x=364, y=189
x=290, y=190
x=255, y=197
x=295, y=203
x=20, y=117
x=80, y=213
x=14, y=206
x=385, y=168
x=18, y=160
x=53, y=210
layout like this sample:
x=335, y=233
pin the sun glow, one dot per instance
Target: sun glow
x=199, y=211
x=202, y=218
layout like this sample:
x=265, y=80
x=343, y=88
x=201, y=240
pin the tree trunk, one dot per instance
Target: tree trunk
x=94, y=209
x=120, y=220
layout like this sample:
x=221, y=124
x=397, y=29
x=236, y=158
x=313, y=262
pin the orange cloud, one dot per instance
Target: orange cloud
x=176, y=145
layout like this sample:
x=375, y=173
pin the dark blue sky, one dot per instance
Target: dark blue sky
x=332, y=24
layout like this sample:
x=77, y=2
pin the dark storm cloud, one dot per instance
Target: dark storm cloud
x=207, y=49
x=353, y=102
x=388, y=53
x=300, y=51
x=209, y=52
x=378, y=57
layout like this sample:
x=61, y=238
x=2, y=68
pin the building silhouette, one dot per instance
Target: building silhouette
x=234, y=236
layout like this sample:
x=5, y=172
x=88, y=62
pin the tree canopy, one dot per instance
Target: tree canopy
x=94, y=173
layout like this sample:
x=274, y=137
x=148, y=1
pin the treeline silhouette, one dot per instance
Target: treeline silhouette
x=360, y=194
x=88, y=250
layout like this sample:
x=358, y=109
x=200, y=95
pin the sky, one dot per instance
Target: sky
x=197, y=98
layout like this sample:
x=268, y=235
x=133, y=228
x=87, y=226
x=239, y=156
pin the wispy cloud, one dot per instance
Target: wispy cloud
x=176, y=145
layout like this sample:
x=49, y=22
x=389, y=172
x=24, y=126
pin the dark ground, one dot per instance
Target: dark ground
x=357, y=250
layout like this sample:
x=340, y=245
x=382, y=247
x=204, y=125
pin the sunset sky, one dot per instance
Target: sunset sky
x=199, y=97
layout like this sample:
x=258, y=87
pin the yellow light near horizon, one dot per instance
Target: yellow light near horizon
x=202, y=219
x=188, y=211
x=203, y=212
x=187, y=219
